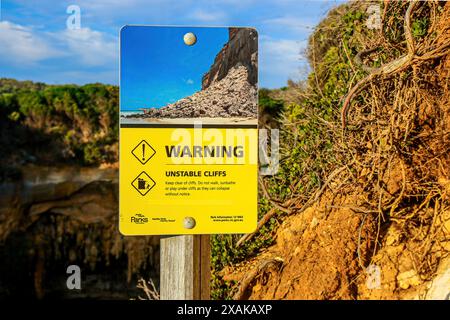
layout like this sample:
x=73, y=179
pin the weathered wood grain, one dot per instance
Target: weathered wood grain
x=185, y=267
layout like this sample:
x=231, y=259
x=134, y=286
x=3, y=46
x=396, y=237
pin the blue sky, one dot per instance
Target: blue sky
x=35, y=43
x=158, y=68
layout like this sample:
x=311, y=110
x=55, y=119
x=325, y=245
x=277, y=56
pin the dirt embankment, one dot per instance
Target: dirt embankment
x=378, y=224
x=327, y=253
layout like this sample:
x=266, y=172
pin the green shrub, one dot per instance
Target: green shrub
x=64, y=114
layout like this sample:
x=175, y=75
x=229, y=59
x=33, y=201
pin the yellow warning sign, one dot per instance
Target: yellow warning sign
x=143, y=183
x=181, y=180
x=188, y=137
x=143, y=152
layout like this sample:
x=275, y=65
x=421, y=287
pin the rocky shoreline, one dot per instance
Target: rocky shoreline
x=232, y=96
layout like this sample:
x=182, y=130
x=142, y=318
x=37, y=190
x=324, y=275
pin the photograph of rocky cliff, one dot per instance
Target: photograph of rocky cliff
x=228, y=91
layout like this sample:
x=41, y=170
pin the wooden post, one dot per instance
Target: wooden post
x=185, y=267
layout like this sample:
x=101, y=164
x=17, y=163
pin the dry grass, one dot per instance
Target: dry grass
x=149, y=289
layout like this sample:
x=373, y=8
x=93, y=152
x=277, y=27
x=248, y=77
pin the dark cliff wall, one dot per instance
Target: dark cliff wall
x=54, y=217
x=241, y=48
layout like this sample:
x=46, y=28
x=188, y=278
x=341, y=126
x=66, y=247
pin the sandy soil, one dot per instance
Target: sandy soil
x=323, y=253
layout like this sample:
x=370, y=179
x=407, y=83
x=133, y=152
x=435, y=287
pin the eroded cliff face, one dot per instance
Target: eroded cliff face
x=231, y=97
x=55, y=217
x=241, y=49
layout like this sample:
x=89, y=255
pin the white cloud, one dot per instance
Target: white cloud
x=20, y=45
x=190, y=81
x=115, y=4
x=25, y=46
x=299, y=25
x=77, y=76
x=93, y=48
x=214, y=17
x=282, y=58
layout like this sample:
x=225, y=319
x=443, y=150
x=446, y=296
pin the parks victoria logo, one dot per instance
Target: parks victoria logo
x=139, y=218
